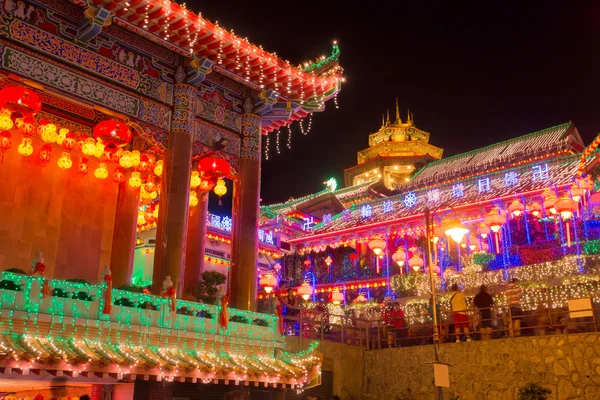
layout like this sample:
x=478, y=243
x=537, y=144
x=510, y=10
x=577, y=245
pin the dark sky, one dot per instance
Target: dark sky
x=473, y=73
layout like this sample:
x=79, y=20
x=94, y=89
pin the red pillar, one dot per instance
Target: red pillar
x=171, y=239
x=196, y=243
x=246, y=201
x=124, y=233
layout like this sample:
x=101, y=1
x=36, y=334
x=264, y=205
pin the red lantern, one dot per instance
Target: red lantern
x=213, y=167
x=20, y=100
x=113, y=132
x=206, y=184
x=5, y=144
x=70, y=141
x=144, y=165
x=26, y=126
x=353, y=256
x=83, y=167
x=118, y=175
x=45, y=153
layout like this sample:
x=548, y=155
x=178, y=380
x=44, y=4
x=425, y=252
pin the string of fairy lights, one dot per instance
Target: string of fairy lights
x=288, y=126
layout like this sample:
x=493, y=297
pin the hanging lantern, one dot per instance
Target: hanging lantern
x=64, y=162
x=437, y=234
x=83, y=167
x=494, y=220
x=377, y=245
x=193, y=199
x=415, y=262
x=220, y=188
x=336, y=297
x=213, y=167
x=26, y=126
x=21, y=100
x=144, y=164
x=516, y=208
x=99, y=149
x=483, y=231
x=536, y=209
x=101, y=171
x=141, y=218
x=109, y=152
x=455, y=229
x=25, y=148
x=353, y=257
x=112, y=132
x=360, y=299
x=135, y=158
x=126, y=160
x=5, y=122
x=194, y=179
x=69, y=141
x=158, y=169
x=61, y=136
x=49, y=134
x=155, y=212
x=566, y=207
x=434, y=269
x=135, y=180
x=268, y=282
x=577, y=192
x=305, y=290
x=5, y=142
x=328, y=262
x=89, y=147
x=399, y=257
x=206, y=184
x=583, y=184
x=119, y=175
x=549, y=201
x=150, y=185
x=45, y=153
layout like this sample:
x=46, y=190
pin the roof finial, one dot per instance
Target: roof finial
x=398, y=120
x=387, y=120
x=409, y=119
x=382, y=120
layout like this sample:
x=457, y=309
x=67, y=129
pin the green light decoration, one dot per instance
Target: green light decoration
x=331, y=184
x=140, y=281
x=333, y=57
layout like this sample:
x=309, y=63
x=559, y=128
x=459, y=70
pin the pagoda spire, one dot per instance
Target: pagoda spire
x=387, y=120
x=409, y=118
x=382, y=120
x=398, y=120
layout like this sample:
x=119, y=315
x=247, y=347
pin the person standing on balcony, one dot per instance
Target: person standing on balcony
x=484, y=303
x=459, y=313
x=513, y=298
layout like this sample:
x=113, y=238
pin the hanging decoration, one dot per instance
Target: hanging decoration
x=415, y=262
x=135, y=180
x=5, y=144
x=220, y=190
x=169, y=292
x=305, y=290
x=279, y=314
x=21, y=101
x=118, y=175
x=107, y=278
x=38, y=268
x=25, y=148
x=328, y=262
x=494, y=220
x=45, y=153
x=65, y=162
x=224, y=314
x=101, y=171
x=336, y=296
x=268, y=282
x=566, y=207
x=83, y=167
x=399, y=258
x=193, y=199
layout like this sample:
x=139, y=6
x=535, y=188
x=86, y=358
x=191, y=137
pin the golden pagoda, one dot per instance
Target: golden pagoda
x=395, y=152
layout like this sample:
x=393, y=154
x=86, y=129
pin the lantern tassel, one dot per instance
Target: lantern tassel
x=497, y=242
x=568, y=233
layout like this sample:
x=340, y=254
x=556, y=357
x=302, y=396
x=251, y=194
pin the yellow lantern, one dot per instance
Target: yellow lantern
x=89, y=147
x=135, y=158
x=49, y=134
x=64, y=162
x=126, y=160
x=193, y=199
x=99, y=149
x=62, y=135
x=101, y=172
x=220, y=188
x=153, y=195
x=155, y=212
x=195, y=179
x=141, y=218
x=25, y=148
x=135, y=180
x=5, y=122
x=158, y=169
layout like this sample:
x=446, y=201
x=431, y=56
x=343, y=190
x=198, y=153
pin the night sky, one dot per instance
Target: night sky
x=472, y=73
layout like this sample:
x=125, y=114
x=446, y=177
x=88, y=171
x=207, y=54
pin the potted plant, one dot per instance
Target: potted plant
x=208, y=286
x=533, y=391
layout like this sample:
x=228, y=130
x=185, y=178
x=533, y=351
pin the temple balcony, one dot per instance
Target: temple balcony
x=68, y=333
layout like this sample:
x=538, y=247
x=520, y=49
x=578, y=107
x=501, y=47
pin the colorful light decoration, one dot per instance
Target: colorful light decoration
x=494, y=220
x=220, y=188
x=83, y=166
x=20, y=100
x=268, y=282
x=158, y=168
x=455, y=229
x=194, y=179
x=415, y=262
x=25, y=148
x=536, y=209
x=360, y=299
x=377, y=246
x=49, y=134
x=89, y=147
x=45, y=153
x=135, y=180
x=155, y=211
x=566, y=207
x=549, y=201
x=65, y=162
x=126, y=160
x=305, y=290
x=328, y=262
x=5, y=122
x=118, y=175
x=576, y=192
x=399, y=258
x=141, y=220
x=516, y=208
x=101, y=171
x=99, y=149
x=193, y=199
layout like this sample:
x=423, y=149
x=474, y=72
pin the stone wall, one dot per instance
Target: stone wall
x=569, y=365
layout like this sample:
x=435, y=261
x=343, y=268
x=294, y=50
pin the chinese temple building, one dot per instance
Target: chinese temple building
x=115, y=117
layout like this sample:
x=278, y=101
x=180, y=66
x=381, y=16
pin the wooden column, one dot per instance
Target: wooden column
x=124, y=233
x=171, y=239
x=196, y=242
x=246, y=198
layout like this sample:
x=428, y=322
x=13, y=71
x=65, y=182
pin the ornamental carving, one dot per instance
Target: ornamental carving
x=251, y=128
